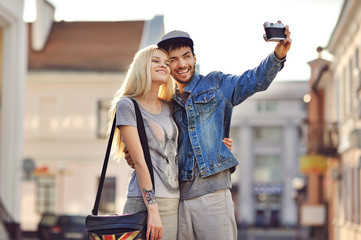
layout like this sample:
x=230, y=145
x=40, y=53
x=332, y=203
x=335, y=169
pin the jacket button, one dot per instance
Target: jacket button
x=189, y=154
x=189, y=176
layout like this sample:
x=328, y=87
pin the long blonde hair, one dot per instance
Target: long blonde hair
x=137, y=83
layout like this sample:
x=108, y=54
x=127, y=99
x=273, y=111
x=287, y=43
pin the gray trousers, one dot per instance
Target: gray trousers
x=207, y=217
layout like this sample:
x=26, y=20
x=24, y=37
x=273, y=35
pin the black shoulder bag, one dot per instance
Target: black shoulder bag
x=129, y=226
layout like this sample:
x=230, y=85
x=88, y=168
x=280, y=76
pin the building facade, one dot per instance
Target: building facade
x=345, y=45
x=322, y=158
x=12, y=82
x=75, y=69
x=268, y=141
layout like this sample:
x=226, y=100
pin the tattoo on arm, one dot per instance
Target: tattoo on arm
x=149, y=196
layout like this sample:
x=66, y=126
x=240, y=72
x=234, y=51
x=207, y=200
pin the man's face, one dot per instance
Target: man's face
x=182, y=64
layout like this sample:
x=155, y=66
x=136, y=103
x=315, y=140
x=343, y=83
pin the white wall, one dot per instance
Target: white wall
x=14, y=51
x=71, y=150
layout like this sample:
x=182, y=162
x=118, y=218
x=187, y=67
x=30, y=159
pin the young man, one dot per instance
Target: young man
x=202, y=110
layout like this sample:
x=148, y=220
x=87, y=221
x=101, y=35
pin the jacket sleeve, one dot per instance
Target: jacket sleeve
x=237, y=88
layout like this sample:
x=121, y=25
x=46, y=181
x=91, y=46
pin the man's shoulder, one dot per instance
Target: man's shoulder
x=211, y=74
x=209, y=77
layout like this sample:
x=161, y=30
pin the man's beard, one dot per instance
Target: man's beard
x=186, y=82
x=181, y=82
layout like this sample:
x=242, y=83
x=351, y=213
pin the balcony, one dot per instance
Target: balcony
x=323, y=139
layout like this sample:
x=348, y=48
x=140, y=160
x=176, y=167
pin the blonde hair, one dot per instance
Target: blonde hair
x=137, y=83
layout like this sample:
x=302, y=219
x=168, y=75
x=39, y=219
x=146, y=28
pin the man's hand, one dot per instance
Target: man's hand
x=284, y=46
x=128, y=158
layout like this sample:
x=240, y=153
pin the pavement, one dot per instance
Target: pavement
x=272, y=234
x=249, y=234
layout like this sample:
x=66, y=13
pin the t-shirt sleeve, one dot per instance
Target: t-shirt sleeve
x=125, y=113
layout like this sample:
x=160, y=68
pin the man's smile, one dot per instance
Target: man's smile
x=183, y=71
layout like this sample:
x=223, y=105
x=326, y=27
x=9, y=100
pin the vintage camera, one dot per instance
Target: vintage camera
x=275, y=32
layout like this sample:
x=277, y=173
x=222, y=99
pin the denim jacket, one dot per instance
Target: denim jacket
x=204, y=119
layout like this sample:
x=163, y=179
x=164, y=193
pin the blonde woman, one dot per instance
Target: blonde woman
x=148, y=81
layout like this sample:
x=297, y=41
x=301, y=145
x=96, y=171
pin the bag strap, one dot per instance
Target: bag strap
x=104, y=170
x=144, y=142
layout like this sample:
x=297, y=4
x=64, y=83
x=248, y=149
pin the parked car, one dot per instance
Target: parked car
x=62, y=227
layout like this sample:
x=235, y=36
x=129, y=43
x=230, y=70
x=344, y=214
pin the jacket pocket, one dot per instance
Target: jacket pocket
x=205, y=102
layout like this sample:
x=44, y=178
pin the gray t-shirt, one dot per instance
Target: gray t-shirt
x=201, y=186
x=162, y=134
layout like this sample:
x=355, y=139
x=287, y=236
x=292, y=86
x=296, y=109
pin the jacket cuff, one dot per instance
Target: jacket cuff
x=277, y=61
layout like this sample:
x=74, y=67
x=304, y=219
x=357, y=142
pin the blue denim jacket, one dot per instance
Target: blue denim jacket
x=205, y=118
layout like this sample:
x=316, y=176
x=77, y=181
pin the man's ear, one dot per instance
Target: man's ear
x=195, y=58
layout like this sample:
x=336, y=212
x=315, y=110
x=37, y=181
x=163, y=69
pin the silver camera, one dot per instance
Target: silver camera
x=275, y=32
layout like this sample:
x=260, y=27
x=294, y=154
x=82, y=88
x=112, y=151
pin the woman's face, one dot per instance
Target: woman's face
x=160, y=69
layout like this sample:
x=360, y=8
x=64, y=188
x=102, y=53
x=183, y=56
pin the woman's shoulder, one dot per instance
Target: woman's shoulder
x=124, y=102
x=125, y=109
x=124, y=105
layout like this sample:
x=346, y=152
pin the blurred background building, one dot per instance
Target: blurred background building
x=269, y=140
x=335, y=132
x=298, y=143
x=12, y=83
x=74, y=70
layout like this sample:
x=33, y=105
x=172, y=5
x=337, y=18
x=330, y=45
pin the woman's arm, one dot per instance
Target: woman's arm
x=132, y=141
x=227, y=141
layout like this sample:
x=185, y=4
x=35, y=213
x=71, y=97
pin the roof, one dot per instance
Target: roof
x=88, y=46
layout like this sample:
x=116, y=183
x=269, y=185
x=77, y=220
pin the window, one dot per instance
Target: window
x=266, y=106
x=344, y=194
x=268, y=134
x=357, y=195
x=45, y=201
x=356, y=77
x=350, y=194
x=358, y=199
x=344, y=96
x=48, y=124
x=303, y=106
x=107, y=199
x=347, y=194
x=267, y=168
x=103, y=117
x=234, y=134
x=336, y=94
x=350, y=94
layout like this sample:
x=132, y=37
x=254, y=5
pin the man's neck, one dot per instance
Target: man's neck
x=181, y=87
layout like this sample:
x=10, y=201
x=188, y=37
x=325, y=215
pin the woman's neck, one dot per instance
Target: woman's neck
x=150, y=102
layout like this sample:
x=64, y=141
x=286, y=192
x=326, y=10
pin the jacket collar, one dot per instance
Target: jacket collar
x=192, y=83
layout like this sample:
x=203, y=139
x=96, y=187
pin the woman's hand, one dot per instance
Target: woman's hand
x=154, y=224
x=228, y=142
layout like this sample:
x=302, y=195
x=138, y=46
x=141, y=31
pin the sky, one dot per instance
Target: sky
x=227, y=34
